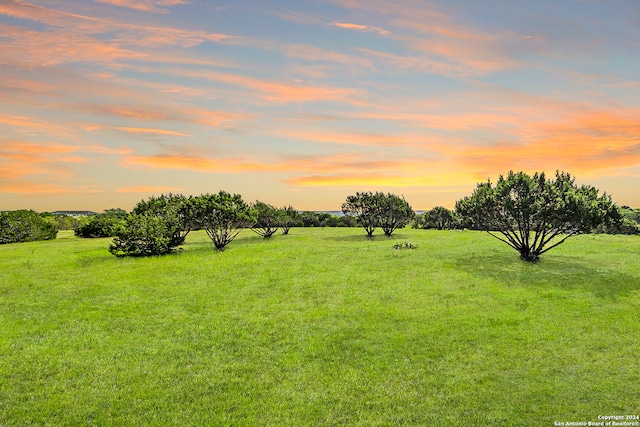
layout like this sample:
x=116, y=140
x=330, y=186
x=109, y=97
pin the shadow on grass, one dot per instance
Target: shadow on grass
x=551, y=272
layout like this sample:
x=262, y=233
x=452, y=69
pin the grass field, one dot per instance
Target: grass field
x=320, y=328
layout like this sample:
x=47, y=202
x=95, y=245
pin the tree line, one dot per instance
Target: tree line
x=530, y=213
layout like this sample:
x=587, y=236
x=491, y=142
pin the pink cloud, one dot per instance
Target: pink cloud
x=148, y=131
x=360, y=27
x=158, y=6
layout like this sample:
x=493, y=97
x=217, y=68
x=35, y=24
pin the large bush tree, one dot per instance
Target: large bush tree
x=63, y=222
x=169, y=208
x=221, y=215
x=439, y=218
x=290, y=218
x=144, y=235
x=25, y=226
x=373, y=210
x=533, y=214
x=365, y=207
x=629, y=223
x=106, y=224
x=268, y=219
x=393, y=212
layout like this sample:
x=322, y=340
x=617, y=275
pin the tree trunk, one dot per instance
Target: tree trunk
x=528, y=255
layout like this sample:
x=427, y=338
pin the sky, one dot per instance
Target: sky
x=304, y=102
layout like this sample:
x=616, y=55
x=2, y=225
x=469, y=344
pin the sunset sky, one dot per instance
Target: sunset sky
x=304, y=102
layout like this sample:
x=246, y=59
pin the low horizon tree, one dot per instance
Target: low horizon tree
x=105, y=224
x=268, y=219
x=145, y=234
x=169, y=208
x=439, y=218
x=221, y=215
x=25, y=225
x=364, y=206
x=393, y=212
x=290, y=218
x=533, y=214
x=629, y=223
x=387, y=211
x=62, y=221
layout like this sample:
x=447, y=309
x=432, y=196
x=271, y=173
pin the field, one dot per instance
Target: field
x=320, y=328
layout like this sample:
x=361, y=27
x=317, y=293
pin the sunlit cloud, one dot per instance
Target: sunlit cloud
x=360, y=27
x=158, y=6
x=147, y=131
x=278, y=92
x=291, y=164
x=23, y=10
x=19, y=159
x=34, y=48
x=587, y=143
x=185, y=162
x=376, y=179
x=23, y=158
x=33, y=188
x=28, y=126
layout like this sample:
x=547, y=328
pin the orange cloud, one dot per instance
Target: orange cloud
x=409, y=174
x=438, y=42
x=22, y=158
x=21, y=10
x=202, y=164
x=29, y=126
x=337, y=162
x=18, y=159
x=74, y=38
x=46, y=49
x=280, y=92
x=587, y=143
x=146, y=5
x=33, y=188
x=144, y=131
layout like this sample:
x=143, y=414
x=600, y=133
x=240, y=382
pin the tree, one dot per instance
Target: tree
x=221, y=215
x=106, y=224
x=25, y=226
x=629, y=223
x=170, y=209
x=393, y=212
x=309, y=219
x=533, y=214
x=387, y=211
x=439, y=218
x=144, y=234
x=290, y=218
x=268, y=219
x=63, y=222
x=364, y=206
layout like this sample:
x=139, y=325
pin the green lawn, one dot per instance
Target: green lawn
x=321, y=328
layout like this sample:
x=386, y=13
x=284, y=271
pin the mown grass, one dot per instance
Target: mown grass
x=321, y=328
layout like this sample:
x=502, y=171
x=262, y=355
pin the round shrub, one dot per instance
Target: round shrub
x=144, y=235
x=25, y=226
